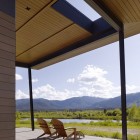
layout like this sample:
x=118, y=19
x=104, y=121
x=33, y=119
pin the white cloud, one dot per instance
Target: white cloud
x=21, y=95
x=90, y=75
x=132, y=88
x=34, y=80
x=93, y=82
x=71, y=80
x=18, y=77
x=49, y=92
x=90, y=82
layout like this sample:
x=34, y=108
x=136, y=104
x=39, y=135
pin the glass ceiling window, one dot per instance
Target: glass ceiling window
x=84, y=8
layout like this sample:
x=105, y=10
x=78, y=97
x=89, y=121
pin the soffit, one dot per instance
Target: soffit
x=54, y=43
x=27, y=9
x=127, y=11
x=44, y=31
x=41, y=30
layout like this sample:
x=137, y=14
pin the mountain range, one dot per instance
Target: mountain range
x=85, y=102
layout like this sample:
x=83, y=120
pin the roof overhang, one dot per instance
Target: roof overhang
x=50, y=31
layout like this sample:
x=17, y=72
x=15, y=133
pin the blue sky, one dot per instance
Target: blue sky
x=95, y=73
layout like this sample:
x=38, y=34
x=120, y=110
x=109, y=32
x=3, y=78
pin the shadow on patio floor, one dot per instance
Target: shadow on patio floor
x=53, y=138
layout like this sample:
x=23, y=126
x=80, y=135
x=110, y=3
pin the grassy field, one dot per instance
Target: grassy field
x=104, y=128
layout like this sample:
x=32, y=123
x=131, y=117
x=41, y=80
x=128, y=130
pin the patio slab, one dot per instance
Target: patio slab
x=28, y=134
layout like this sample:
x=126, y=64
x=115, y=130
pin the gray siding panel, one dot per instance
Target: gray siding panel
x=8, y=138
x=7, y=86
x=7, y=94
x=7, y=24
x=8, y=133
x=7, y=77
x=7, y=63
x=7, y=102
x=7, y=40
x=7, y=32
x=6, y=71
x=7, y=125
x=6, y=118
x=7, y=18
x=7, y=110
x=7, y=48
x=7, y=55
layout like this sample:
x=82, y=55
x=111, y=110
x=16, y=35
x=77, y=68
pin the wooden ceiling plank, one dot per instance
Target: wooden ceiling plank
x=122, y=15
x=64, y=38
x=115, y=8
x=43, y=40
x=35, y=13
x=72, y=49
x=133, y=29
x=124, y=9
x=40, y=29
x=23, y=14
x=133, y=5
x=137, y=7
x=130, y=6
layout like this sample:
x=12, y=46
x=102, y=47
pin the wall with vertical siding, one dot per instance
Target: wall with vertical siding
x=7, y=77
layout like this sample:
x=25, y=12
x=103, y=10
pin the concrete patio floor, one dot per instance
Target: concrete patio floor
x=28, y=134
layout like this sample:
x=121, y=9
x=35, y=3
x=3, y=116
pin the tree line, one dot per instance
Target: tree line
x=133, y=114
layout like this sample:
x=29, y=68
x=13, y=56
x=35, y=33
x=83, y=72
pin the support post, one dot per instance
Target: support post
x=123, y=84
x=31, y=98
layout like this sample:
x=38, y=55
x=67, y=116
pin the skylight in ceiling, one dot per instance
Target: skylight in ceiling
x=84, y=8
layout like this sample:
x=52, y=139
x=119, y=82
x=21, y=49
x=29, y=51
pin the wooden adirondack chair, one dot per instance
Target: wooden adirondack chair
x=62, y=132
x=47, y=129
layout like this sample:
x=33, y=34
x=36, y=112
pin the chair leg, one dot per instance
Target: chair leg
x=70, y=136
x=75, y=135
x=81, y=134
x=41, y=135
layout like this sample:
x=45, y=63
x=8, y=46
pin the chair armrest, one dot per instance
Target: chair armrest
x=70, y=128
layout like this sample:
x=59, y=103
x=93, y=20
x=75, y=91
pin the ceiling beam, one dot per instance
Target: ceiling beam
x=23, y=65
x=106, y=13
x=67, y=10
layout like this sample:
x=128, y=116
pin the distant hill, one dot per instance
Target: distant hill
x=73, y=103
x=133, y=98
x=84, y=102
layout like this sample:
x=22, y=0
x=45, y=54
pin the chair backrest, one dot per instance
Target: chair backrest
x=43, y=124
x=59, y=127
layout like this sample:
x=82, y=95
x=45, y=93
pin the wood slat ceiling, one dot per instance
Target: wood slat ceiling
x=126, y=10
x=66, y=37
x=43, y=26
x=102, y=42
x=42, y=31
x=23, y=14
